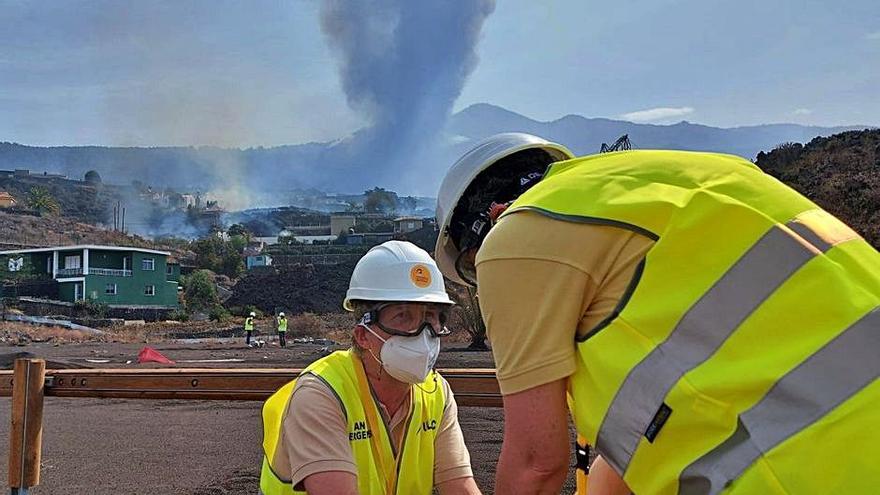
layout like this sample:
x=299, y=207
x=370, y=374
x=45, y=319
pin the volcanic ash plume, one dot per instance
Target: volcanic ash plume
x=403, y=63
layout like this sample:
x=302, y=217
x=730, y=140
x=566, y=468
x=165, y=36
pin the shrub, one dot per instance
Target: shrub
x=91, y=307
x=199, y=291
x=178, y=315
x=218, y=313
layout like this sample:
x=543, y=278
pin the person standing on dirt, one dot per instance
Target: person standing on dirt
x=281, y=324
x=249, y=328
x=374, y=419
x=710, y=326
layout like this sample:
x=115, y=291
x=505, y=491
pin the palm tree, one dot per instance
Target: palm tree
x=41, y=200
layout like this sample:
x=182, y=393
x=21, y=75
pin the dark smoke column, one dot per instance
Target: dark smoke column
x=403, y=63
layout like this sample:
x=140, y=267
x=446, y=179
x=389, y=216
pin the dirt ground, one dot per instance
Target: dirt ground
x=121, y=446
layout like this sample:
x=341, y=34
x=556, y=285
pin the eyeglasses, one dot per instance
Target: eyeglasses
x=409, y=319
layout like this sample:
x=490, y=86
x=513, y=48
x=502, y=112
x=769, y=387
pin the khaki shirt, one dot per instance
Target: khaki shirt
x=542, y=282
x=314, y=436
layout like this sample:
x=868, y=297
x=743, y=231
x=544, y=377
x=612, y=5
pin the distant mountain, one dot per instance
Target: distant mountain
x=269, y=174
x=585, y=136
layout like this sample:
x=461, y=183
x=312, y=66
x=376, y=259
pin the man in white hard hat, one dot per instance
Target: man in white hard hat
x=374, y=419
x=249, y=328
x=706, y=325
x=281, y=326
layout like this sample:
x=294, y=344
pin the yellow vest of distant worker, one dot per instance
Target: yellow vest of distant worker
x=249, y=323
x=282, y=324
x=379, y=471
x=744, y=356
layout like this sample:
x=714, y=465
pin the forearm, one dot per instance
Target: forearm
x=459, y=486
x=605, y=481
x=527, y=474
x=534, y=456
x=331, y=483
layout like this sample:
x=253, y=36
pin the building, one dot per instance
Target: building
x=6, y=200
x=340, y=223
x=402, y=225
x=117, y=276
x=261, y=259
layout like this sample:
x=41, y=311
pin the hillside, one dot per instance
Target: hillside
x=841, y=173
x=27, y=230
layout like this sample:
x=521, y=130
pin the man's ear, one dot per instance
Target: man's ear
x=360, y=336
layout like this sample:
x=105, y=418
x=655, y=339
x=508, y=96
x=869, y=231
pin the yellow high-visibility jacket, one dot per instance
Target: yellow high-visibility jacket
x=744, y=357
x=249, y=324
x=411, y=471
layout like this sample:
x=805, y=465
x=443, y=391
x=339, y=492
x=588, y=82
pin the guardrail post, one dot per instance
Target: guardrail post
x=26, y=431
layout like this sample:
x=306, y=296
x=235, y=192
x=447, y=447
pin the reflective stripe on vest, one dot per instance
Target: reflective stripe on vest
x=726, y=354
x=409, y=471
x=830, y=376
x=766, y=266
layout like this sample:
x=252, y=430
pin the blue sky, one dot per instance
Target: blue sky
x=261, y=72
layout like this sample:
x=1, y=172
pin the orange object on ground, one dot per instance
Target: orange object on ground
x=150, y=355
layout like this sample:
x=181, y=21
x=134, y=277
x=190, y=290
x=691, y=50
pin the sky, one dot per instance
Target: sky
x=262, y=73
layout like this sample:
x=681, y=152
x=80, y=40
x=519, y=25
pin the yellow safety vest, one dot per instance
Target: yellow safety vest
x=282, y=324
x=744, y=356
x=380, y=471
x=249, y=324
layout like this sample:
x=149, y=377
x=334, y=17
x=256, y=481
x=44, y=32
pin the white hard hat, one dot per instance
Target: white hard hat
x=253, y=314
x=396, y=271
x=465, y=170
x=281, y=314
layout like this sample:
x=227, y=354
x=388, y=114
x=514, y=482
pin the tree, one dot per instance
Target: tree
x=238, y=229
x=220, y=256
x=199, y=291
x=41, y=200
x=378, y=200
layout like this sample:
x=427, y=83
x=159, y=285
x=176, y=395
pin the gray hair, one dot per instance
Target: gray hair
x=359, y=308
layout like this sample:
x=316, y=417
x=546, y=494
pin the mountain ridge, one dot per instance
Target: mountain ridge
x=335, y=166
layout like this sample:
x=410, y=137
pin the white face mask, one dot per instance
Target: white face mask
x=408, y=359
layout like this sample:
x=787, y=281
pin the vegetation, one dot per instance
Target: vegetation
x=841, y=173
x=220, y=314
x=238, y=230
x=199, y=291
x=378, y=200
x=219, y=255
x=40, y=200
x=91, y=307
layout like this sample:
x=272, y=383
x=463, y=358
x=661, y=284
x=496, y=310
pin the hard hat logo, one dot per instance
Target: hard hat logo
x=420, y=276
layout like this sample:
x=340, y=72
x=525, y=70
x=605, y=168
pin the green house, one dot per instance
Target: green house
x=118, y=276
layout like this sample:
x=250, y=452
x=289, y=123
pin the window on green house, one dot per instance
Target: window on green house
x=149, y=290
x=169, y=270
x=148, y=264
x=110, y=289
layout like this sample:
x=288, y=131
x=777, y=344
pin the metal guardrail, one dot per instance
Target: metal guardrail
x=112, y=272
x=68, y=272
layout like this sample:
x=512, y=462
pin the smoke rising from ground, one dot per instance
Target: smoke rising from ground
x=402, y=65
